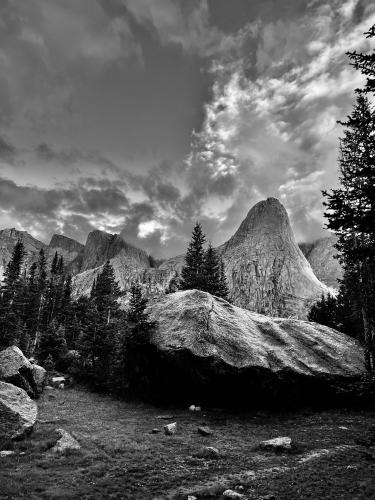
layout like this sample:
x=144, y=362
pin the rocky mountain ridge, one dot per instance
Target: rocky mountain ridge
x=266, y=270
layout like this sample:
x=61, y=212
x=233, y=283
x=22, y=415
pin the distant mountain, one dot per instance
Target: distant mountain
x=8, y=239
x=266, y=270
x=321, y=256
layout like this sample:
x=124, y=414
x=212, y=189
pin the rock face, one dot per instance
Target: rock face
x=18, y=412
x=321, y=256
x=70, y=249
x=8, y=239
x=16, y=369
x=218, y=352
x=266, y=270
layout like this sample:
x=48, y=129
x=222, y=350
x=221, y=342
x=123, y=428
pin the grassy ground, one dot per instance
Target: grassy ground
x=121, y=458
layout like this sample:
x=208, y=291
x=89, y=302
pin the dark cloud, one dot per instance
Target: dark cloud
x=7, y=150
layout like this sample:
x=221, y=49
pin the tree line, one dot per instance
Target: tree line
x=350, y=214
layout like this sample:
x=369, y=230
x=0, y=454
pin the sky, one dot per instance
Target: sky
x=141, y=117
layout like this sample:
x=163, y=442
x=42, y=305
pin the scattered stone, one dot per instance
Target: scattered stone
x=170, y=429
x=197, y=408
x=6, y=453
x=277, y=444
x=65, y=443
x=343, y=428
x=205, y=431
x=232, y=494
x=165, y=417
x=191, y=497
x=48, y=387
x=268, y=497
x=56, y=381
x=155, y=431
x=61, y=386
x=16, y=369
x=18, y=412
x=209, y=452
x=192, y=408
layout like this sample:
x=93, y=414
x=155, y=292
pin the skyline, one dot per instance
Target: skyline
x=141, y=117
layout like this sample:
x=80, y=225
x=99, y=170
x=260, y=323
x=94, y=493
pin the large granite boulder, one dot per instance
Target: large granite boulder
x=16, y=369
x=18, y=412
x=215, y=352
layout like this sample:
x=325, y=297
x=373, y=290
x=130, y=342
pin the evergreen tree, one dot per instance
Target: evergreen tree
x=325, y=312
x=106, y=293
x=137, y=305
x=211, y=272
x=365, y=63
x=12, y=297
x=192, y=272
x=351, y=213
x=224, y=290
x=52, y=342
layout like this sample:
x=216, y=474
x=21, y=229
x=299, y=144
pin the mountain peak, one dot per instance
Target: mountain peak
x=63, y=242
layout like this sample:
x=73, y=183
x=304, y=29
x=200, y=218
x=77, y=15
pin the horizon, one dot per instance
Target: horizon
x=139, y=117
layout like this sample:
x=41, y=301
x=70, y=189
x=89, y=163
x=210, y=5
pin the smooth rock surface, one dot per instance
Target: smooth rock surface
x=218, y=349
x=16, y=369
x=18, y=413
x=170, y=429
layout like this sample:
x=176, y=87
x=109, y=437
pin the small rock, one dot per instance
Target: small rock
x=277, y=444
x=268, y=497
x=192, y=408
x=343, y=428
x=170, y=429
x=61, y=386
x=197, y=408
x=205, y=431
x=48, y=388
x=65, y=443
x=56, y=381
x=191, y=497
x=155, y=431
x=232, y=494
x=165, y=417
x=6, y=453
x=209, y=452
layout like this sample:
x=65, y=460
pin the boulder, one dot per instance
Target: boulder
x=18, y=412
x=207, y=348
x=16, y=369
x=204, y=431
x=233, y=494
x=170, y=429
x=57, y=381
x=277, y=444
x=209, y=452
x=65, y=444
x=40, y=376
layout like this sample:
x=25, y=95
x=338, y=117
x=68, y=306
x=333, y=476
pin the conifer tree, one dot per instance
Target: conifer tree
x=106, y=293
x=11, y=300
x=325, y=312
x=365, y=63
x=137, y=305
x=52, y=342
x=224, y=289
x=351, y=213
x=211, y=272
x=192, y=272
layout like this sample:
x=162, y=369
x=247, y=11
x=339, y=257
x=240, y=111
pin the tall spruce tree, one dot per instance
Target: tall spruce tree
x=12, y=297
x=224, y=289
x=192, y=272
x=351, y=213
x=211, y=272
x=365, y=63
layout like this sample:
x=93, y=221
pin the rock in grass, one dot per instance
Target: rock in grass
x=277, y=444
x=65, y=444
x=165, y=417
x=155, y=431
x=40, y=375
x=205, y=431
x=170, y=429
x=192, y=408
x=232, y=494
x=6, y=453
x=57, y=381
x=209, y=452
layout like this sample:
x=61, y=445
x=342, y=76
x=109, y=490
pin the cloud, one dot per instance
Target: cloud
x=48, y=49
x=8, y=152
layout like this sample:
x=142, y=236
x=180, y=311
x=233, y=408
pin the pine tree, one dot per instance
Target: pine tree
x=137, y=305
x=365, y=63
x=12, y=297
x=192, y=272
x=52, y=342
x=211, y=272
x=224, y=289
x=106, y=293
x=325, y=312
x=351, y=213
